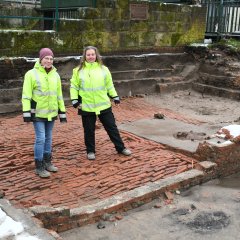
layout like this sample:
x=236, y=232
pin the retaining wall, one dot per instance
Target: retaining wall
x=111, y=29
x=132, y=74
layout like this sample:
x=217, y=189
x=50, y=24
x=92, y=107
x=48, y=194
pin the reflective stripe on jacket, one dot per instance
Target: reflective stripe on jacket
x=94, y=85
x=45, y=90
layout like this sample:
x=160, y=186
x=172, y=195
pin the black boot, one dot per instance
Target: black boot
x=40, y=169
x=47, y=158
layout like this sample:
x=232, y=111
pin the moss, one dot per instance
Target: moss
x=125, y=14
x=4, y=24
x=75, y=26
x=175, y=38
x=63, y=42
x=154, y=16
x=110, y=42
x=106, y=3
x=170, y=7
x=30, y=40
x=76, y=42
x=180, y=27
x=167, y=16
x=162, y=40
x=93, y=38
x=32, y=24
x=138, y=26
x=187, y=9
x=8, y=40
x=123, y=4
x=147, y=39
x=231, y=45
x=115, y=14
x=154, y=6
x=129, y=39
x=195, y=33
x=99, y=25
x=25, y=42
x=120, y=26
x=89, y=13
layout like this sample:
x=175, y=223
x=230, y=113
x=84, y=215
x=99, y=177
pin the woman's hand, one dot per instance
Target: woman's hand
x=116, y=100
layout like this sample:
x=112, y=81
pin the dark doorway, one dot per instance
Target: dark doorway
x=48, y=23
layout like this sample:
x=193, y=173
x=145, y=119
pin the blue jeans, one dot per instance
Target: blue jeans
x=43, y=139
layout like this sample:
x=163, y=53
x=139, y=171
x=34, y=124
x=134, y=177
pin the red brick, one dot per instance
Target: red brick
x=79, y=181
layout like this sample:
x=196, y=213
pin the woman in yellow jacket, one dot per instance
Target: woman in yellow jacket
x=42, y=103
x=90, y=91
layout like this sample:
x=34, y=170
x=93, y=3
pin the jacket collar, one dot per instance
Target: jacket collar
x=91, y=65
x=38, y=66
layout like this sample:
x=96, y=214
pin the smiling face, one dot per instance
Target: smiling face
x=47, y=62
x=91, y=55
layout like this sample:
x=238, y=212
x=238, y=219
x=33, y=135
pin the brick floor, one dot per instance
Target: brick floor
x=79, y=181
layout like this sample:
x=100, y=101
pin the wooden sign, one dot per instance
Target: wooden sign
x=139, y=11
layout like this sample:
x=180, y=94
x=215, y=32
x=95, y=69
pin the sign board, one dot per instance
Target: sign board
x=139, y=11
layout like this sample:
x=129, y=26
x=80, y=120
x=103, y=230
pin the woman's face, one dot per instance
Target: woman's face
x=47, y=62
x=91, y=55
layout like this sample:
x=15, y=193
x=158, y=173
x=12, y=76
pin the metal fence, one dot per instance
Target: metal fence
x=63, y=4
x=223, y=17
x=50, y=13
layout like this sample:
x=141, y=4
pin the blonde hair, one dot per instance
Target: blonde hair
x=83, y=59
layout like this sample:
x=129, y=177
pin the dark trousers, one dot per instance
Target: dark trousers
x=108, y=121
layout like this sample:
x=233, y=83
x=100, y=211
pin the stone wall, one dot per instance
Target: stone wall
x=14, y=9
x=109, y=28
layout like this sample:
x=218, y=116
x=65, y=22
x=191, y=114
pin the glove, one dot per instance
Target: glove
x=75, y=103
x=62, y=117
x=63, y=120
x=27, y=116
x=116, y=100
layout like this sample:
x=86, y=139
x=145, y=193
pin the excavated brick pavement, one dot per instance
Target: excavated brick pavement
x=81, y=182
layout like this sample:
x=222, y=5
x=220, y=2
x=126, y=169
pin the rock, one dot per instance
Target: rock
x=101, y=225
x=119, y=217
x=159, y=115
x=106, y=217
x=193, y=207
x=2, y=194
x=158, y=205
x=178, y=192
x=169, y=195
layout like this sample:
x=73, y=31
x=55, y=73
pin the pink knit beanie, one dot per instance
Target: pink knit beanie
x=45, y=52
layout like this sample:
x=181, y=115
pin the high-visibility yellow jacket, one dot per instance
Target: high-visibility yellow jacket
x=93, y=85
x=42, y=95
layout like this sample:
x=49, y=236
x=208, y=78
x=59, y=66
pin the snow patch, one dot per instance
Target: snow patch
x=230, y=131
x=10, y=228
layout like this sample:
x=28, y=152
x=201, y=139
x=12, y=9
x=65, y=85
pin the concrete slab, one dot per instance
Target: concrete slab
x=31, y=229
x=163, y=130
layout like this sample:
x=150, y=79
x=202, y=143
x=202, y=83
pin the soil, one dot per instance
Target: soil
x=206, y=108
x=209, y=212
